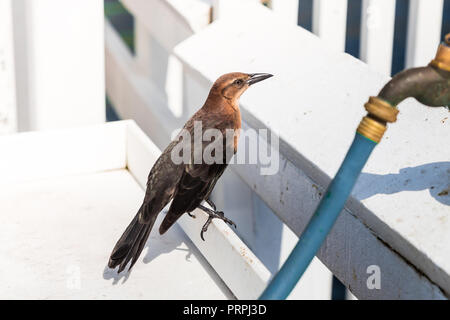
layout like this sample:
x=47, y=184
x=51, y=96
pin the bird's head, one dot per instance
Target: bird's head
x=232, y=85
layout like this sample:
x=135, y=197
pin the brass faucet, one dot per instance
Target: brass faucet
x=429, y=85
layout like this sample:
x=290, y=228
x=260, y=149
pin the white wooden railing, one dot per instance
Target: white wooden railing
x=397, y=217
x=313, y=104
x=36, y=111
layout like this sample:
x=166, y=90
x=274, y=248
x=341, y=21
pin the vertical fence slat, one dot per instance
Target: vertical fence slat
x=377, y=34
x=227, y=8
x=59, y=48
x=8, y=122
x=424, y=31
x=217, y=7
x=329, y=22
x=142, y=48
x=288, y=9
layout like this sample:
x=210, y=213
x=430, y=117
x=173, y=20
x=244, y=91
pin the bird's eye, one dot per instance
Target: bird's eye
x=238, y=82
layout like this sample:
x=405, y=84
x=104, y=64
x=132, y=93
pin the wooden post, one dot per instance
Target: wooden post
x=377, y=34
x=329, y=22
x=226, y=8
x=287, y=9
x=424, y=31
x=59, y=49
x=8, y=122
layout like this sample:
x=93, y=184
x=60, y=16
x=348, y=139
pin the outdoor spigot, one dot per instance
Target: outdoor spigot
x=429, y=85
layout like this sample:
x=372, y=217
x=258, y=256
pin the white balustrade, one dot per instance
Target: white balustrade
x=52, y=75
x=313, y=104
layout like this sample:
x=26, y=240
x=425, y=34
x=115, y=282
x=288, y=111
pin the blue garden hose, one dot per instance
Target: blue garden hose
x=322, y=221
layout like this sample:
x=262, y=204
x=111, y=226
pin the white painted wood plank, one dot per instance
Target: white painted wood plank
x=160, y=25
x=424, y=31
x=143, y=47
x=237, y=266
x=377, y=34
x=56, y=244
x=330, y=22
x=38, y=155
x=227, y=8
x=131, y=92
x=286, y=9
x=8, y=113
x=161, y=67
x=223, y=8
x=170, y=22
x=197, y=13
x=369, y=223
x=59, y=49
x=315, y=284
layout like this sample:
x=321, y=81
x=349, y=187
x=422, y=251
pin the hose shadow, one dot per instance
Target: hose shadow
x=433, y=176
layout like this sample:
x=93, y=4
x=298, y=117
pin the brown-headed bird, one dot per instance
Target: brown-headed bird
x=189, y=183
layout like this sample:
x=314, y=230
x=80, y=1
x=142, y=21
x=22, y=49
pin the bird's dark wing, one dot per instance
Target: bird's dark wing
x=198, y=179
x=161, y=184
x=194, y=187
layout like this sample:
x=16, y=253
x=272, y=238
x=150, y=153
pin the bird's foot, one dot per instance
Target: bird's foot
x=213, y=206
x=213, y=214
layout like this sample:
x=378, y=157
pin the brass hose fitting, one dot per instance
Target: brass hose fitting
x=381, y=109
x=442, y=59
x=373, y=125
x=371, y=129
x=429, y=85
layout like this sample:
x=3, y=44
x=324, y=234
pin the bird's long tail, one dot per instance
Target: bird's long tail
x=130, y=244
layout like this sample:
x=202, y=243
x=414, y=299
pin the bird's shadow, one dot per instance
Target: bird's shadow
x=435, y=177
x=156, y=245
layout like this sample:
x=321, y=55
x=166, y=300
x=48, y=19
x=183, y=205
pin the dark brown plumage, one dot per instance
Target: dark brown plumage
x=186, y=184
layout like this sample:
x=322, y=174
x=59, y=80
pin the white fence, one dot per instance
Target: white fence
x=313, y=104
x=328, y=22
x=397, y=217
x=377, y=29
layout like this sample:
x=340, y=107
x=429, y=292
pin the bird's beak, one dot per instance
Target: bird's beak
x=257, y=77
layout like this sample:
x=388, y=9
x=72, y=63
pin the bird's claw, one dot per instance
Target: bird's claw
x=191, y=215
x=205, y=227
x=213, y=206
x=230, y=222
x=224, y=219
x=214, y=214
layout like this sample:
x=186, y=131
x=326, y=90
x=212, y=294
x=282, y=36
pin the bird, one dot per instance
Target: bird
x=189, y=183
